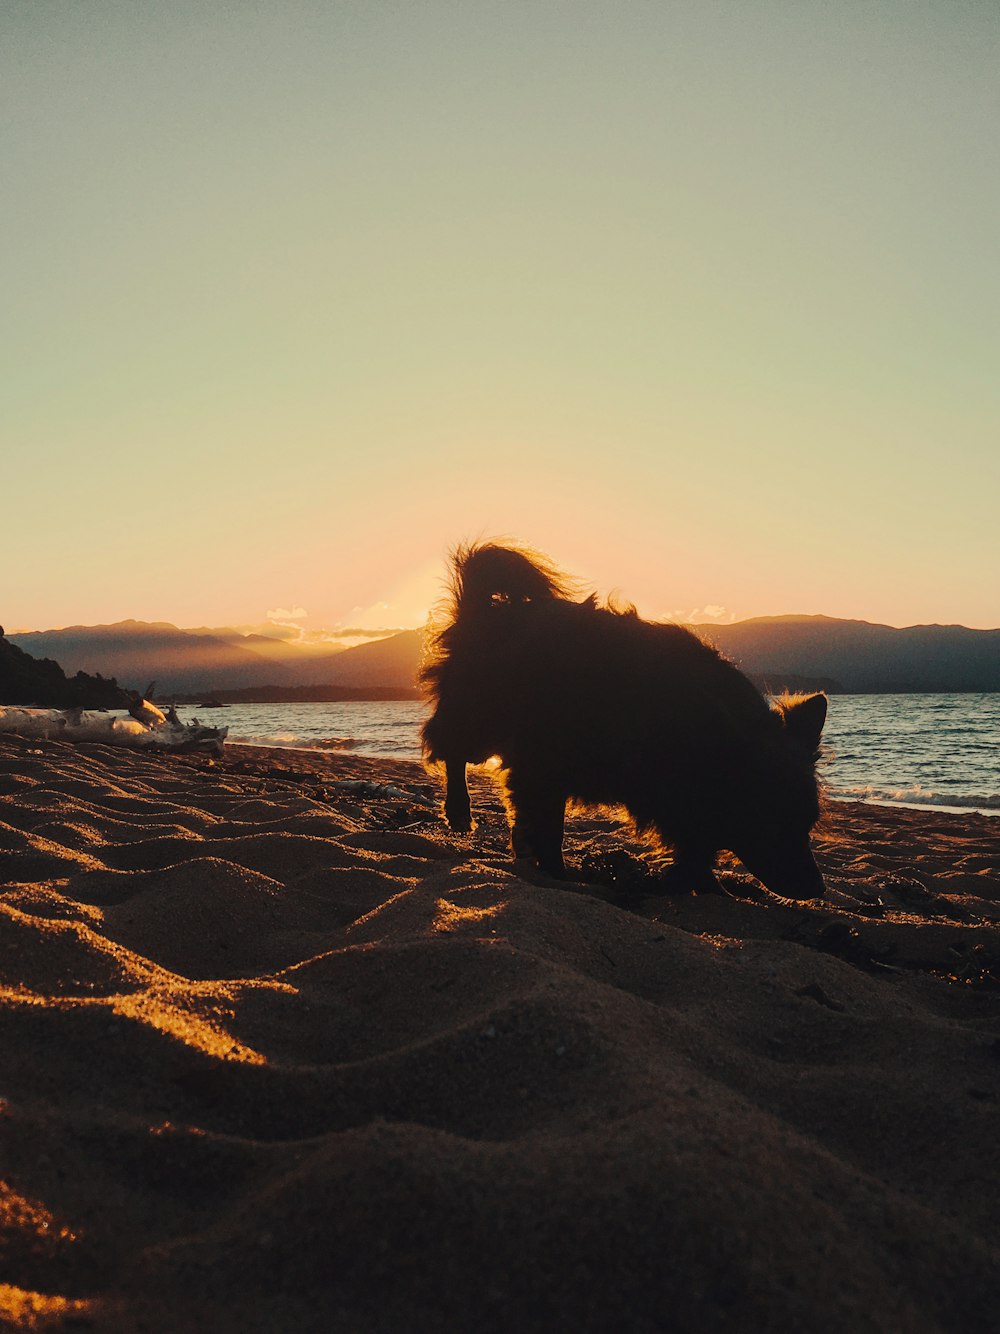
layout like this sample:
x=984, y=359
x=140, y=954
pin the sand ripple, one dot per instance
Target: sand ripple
x=278, y=1060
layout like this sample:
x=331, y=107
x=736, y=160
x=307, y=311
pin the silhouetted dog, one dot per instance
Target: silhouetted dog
x=587, y=703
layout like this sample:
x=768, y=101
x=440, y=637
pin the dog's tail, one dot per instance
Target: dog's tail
x=488, y=575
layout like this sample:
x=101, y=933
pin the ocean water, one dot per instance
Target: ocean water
x=917, y=750
x=938, y=751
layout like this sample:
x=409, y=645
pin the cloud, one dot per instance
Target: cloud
x=404, y=608
x=711, y=614
x=339, y=635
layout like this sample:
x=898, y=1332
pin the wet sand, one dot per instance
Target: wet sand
x=282, y=1055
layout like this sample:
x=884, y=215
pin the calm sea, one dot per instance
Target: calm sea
x=917, y=750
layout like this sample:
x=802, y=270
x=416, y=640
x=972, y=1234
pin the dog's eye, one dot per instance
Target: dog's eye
x=500, y=599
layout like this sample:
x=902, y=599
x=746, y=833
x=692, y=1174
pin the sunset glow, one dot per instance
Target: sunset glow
x=699, y=299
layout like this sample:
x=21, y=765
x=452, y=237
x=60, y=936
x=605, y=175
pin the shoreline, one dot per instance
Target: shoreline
x=830, y=794
x=945, y=808
x=943, y=756
x=282, y=1052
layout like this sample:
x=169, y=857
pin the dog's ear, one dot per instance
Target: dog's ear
x=804, y=719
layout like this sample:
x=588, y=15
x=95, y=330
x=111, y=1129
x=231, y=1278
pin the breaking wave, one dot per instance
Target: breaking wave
x=988, y=803
x=294, y=741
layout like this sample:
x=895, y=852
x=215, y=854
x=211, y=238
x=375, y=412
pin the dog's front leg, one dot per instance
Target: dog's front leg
x=457, y=806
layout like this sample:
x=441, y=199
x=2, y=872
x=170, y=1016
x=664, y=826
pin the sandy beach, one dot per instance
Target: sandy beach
x=280, y=1053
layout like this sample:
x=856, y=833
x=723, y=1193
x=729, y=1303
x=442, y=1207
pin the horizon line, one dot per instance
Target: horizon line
x=376, y=635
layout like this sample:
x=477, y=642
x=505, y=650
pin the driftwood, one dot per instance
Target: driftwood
x=144, y=727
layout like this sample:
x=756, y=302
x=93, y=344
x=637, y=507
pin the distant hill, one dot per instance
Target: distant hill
x=41, y=683
x=859, y=657
x=288, y=652
x=190, y=662
x=778, y=652
x=383, y=662
x=137, y=652
x=382, y=669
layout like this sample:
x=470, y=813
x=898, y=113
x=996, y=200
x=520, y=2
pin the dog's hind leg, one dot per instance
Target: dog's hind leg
x=539, y=820
x=457, y=806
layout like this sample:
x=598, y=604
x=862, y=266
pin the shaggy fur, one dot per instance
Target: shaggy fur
x=589, y=703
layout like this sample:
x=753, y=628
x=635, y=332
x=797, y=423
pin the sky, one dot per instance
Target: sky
x=700, y=298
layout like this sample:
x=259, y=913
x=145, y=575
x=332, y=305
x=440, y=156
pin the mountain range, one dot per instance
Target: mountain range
x=779, y=652
x=859, y=657
x=206, y=661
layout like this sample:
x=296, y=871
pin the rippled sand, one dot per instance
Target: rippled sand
x=281, y=1055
